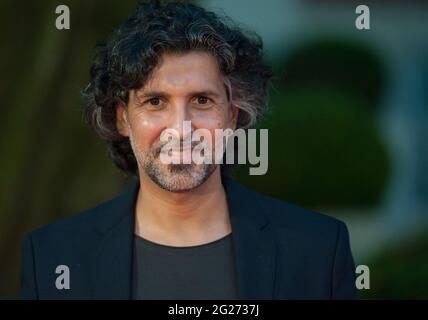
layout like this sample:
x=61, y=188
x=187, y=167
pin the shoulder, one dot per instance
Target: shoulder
x=88, y=223
x=288, y=218
x=289, y=215
x=311, y=246
x=70, y=231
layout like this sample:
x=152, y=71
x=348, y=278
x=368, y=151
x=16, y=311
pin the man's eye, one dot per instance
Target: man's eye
x=154, y=101
x=201, y=100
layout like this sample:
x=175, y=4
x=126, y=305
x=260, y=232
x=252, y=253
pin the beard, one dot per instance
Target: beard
x=171, y=177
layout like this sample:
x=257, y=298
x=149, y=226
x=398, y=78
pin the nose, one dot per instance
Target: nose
x=181, y=121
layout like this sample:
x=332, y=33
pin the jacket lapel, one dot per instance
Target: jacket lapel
x=254, y=243
x=111, y=272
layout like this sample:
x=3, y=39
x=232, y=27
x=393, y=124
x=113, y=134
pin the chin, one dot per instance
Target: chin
x=182, y=177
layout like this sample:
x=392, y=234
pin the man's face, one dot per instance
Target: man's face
x=186, y=87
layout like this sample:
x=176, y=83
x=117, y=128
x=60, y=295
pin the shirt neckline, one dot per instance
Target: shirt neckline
x=159, y=245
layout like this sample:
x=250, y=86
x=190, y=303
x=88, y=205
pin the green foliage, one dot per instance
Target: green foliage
x=343, y=64
x=400, y=272
x=324, y=150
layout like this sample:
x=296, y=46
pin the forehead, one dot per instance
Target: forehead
x=190, y=70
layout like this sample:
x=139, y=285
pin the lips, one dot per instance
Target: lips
x=185, y=150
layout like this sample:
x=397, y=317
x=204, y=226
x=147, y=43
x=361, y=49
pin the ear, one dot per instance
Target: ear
x=233, y=117
x=122, y=120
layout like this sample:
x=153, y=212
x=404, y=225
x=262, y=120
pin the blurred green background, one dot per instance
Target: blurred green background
x=347, y=124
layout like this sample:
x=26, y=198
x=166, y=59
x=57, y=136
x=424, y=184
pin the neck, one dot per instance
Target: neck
x=185, y=218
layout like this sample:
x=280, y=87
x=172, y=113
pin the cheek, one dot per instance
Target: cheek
x=212, y=121
x=146, y=130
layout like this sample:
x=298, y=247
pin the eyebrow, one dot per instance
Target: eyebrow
x=164, y=94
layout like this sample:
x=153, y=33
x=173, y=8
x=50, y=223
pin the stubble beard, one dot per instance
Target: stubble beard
x=170, y=177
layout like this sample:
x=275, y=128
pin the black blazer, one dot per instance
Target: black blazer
x=281, y=251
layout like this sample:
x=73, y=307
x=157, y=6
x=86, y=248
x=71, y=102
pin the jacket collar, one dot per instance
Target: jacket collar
x=252, y=234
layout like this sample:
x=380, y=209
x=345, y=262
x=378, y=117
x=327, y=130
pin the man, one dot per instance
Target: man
x=183, y=231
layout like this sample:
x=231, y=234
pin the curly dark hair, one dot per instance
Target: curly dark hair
x=126, y=61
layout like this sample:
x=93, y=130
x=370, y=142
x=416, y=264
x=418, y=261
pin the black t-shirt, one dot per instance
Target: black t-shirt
x=204, y=271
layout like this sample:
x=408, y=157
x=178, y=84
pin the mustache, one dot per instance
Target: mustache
x=174, y=144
